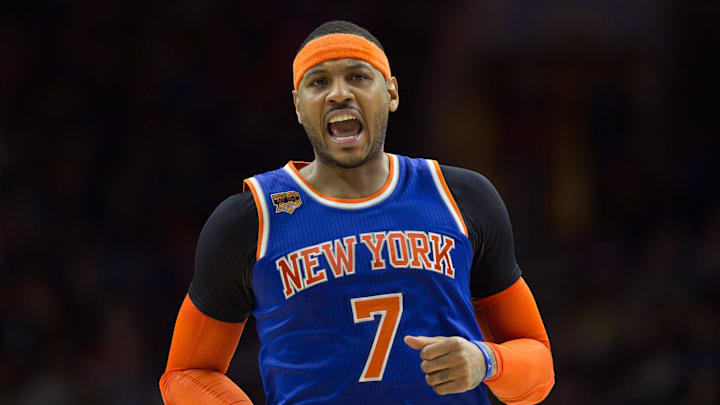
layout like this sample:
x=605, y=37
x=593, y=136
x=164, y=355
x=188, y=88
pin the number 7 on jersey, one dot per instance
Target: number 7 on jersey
x=389, y=307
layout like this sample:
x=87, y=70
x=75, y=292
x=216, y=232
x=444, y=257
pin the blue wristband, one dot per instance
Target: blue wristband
x=488, y=358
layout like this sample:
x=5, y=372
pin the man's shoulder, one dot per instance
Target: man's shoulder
x=237, y=208
x=465, y=179
x=457, y=178
x=237, y=200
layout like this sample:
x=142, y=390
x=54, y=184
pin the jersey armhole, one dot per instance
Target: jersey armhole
x=263, y=218
x=446, y=195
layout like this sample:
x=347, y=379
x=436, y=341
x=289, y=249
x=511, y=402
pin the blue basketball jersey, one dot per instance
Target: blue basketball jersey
x=339, y=283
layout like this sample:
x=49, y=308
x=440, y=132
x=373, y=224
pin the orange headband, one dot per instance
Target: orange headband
x=337, y=46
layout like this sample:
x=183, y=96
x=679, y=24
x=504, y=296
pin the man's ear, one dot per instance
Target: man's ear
x=297, y=110
x=392, y=88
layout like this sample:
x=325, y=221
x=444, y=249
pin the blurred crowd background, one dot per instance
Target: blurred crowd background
x=124, y=123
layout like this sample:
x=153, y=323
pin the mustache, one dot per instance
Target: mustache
x=341, y=107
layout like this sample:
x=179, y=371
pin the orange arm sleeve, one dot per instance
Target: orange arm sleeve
x=511, y=324
x=200, y=354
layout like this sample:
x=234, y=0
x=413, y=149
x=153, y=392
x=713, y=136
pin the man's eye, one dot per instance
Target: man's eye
x=319, y=82
x=359, y=77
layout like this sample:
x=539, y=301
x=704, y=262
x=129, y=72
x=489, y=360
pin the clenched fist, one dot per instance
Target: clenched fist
x=451, y=364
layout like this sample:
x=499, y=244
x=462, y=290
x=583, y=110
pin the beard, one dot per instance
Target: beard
x=374, y=152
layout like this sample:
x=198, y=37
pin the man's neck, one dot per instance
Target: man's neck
x=358, y=182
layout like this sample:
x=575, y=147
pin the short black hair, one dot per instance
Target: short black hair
x=340, y=27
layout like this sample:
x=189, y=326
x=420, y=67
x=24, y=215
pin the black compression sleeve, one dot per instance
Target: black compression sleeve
x=494, y=267
x=222, y=284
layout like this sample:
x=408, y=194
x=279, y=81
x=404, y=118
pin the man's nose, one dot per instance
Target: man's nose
x=339, y=93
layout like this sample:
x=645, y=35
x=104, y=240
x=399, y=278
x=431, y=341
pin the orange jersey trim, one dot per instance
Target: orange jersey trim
x=295, y=166
x=449, y=195
x=261, y=217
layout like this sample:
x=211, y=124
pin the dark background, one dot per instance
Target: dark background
x=124, y=123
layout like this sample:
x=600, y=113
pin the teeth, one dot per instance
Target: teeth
x=342, y=117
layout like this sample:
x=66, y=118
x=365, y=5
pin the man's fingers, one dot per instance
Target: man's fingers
x=450, y=387
x=417, y=342
x=440, y=347
x=438, y=377
x=445, y=361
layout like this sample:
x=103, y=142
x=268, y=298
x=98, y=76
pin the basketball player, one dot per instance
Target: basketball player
x=374, y=278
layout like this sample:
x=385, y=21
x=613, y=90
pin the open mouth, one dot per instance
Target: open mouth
x=344, y=128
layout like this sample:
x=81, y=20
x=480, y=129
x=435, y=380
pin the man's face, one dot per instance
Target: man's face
x=343, y=104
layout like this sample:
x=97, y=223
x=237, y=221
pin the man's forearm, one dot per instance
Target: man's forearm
x=513, y=329
x=524, y=371
x=200, y=353
x=198, y=386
